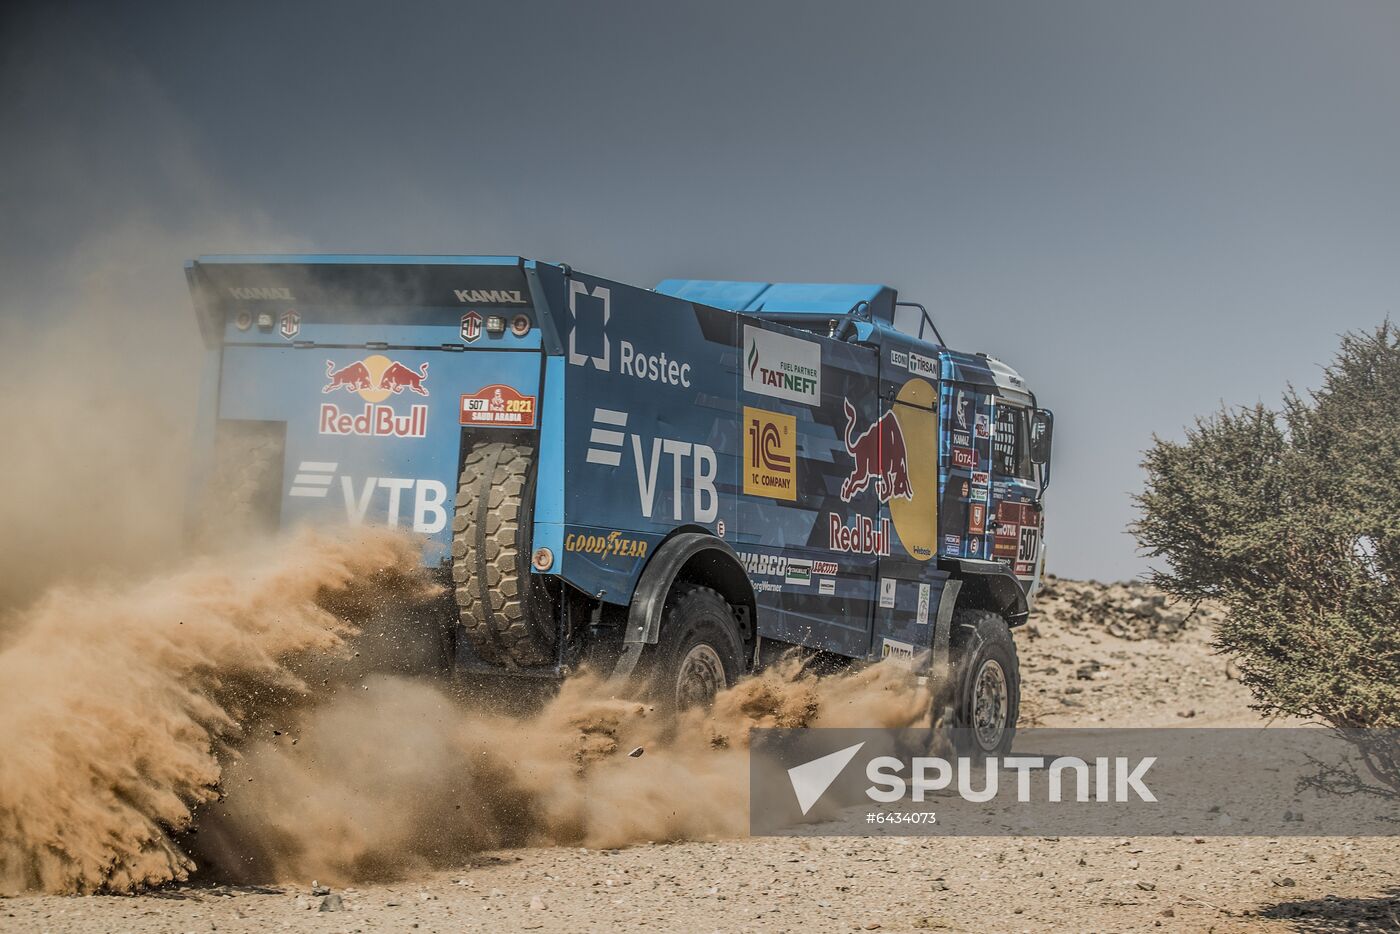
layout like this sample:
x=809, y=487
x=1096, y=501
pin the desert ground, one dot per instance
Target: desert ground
x=1092, y=655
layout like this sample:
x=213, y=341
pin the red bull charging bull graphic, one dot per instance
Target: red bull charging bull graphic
x=880, y=457
x=374, y=379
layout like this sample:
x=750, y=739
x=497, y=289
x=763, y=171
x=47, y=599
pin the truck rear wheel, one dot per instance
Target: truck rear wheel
x=699, y=653
x=987, y=699
x=502, y=607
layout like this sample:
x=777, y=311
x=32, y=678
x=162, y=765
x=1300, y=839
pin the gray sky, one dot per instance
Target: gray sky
x=1145, y=208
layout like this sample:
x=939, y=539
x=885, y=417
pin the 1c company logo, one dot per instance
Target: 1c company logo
x=770, y=454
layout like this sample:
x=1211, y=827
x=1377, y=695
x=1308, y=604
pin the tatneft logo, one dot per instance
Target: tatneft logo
x=652, y=368
x=608, y=442
x=261, y=294
x=781, y=366
x=490, y=297
x=314, y=480
x=1108, y=779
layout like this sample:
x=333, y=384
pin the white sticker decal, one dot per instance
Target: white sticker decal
x=781, y=366
x=922, y=618
x=887, y=592
x=901, y=652
x=826, y=587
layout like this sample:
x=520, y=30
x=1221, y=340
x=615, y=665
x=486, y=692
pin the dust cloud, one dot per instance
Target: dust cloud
x=398, y=776
x=228, y=718
x=119, y=705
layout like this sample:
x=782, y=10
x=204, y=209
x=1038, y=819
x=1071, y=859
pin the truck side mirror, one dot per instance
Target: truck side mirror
x=1042, y=427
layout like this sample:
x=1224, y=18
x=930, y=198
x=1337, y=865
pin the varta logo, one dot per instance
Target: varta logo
x=262, y=293
x=489, y=297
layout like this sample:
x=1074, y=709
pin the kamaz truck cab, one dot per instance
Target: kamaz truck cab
x=676, y=485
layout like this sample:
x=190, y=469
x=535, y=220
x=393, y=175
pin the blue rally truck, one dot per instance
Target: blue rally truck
x=676, y=485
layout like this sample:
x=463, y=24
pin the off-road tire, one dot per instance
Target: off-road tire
x=982, y=647
x=699, y=642
x=501, y=605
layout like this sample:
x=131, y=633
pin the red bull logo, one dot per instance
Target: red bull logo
x=880, y=458
x=375, y=379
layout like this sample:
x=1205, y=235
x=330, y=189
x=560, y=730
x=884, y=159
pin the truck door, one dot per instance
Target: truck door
x=967, y=495
x=1014, y=520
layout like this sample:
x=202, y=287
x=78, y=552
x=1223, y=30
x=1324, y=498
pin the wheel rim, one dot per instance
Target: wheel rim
x=989, y=704
x=699, y=678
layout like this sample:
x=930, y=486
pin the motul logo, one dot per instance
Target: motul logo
x=262, y=293
x=489, y=297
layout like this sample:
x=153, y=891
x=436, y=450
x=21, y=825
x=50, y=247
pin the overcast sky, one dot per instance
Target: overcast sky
x=1147, y=209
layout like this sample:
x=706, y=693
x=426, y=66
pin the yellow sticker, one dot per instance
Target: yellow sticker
x=770, y=454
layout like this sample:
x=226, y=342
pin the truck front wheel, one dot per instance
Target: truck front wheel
x=699, y=653
x=987, y=701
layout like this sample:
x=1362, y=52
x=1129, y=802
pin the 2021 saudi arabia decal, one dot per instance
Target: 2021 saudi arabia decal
x=895, y=456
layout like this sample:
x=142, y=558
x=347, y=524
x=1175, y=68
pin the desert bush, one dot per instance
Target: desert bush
x=1291, y=519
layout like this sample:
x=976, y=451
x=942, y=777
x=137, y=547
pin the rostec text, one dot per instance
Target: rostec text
x=657, y=369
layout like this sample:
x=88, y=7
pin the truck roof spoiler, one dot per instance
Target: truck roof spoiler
x=776, y=299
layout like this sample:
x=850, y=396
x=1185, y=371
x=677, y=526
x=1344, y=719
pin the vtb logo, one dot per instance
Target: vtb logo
x=770, y=454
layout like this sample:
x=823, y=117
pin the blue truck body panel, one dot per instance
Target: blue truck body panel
x=841, y=472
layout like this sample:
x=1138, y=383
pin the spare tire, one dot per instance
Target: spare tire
x=504, y=610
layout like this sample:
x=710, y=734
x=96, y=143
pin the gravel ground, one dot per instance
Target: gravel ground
x=1093, y=656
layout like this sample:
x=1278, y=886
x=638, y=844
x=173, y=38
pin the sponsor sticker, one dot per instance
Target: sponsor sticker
x=962, y=439
x=914, y=363
x=290, y=325
x=977, y=518
x=981, y=478
x=374, y=379
x=362, y=499
x=920, y=365
x=471, y=327
x=605, y=544
x=964, y=458
x=799, y=572
x=826, y=587
x=899, y=651
x=887, y=585
x=924, y=596
x=498, y=406
x=862, y=537
x=952, y=542
x=983, y=427
x=782, y=366
x=826, y=568
x=770, y=454
x=879, y=457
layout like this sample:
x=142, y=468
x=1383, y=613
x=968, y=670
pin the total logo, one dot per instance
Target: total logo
x=651, y=368
x=374, y=379
x=609, y=441
x=315, y=480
